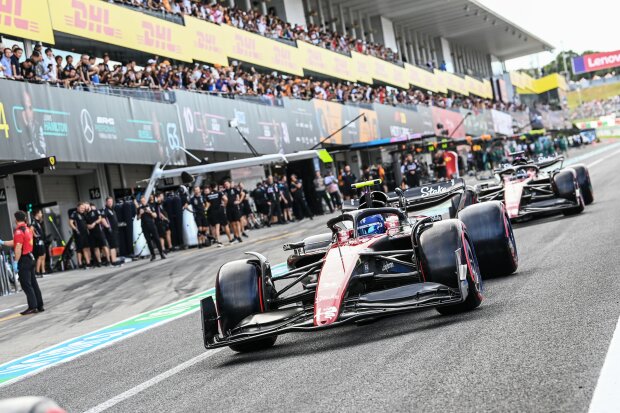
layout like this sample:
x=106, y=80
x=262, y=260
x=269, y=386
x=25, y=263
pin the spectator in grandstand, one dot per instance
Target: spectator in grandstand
x=15, y=63
x=5, y=61
x=48, y=57
x=27, y=69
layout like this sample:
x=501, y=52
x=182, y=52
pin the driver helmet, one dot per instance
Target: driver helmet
x=371, y=225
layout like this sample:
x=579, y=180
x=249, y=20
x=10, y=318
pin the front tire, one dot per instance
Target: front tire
x=438, y=246
x=489, y=229
x=566, y=186
x=585, y=185
x=239, y=294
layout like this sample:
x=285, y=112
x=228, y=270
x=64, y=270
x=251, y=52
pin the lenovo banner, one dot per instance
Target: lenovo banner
x=596, y=61
x=39, y=120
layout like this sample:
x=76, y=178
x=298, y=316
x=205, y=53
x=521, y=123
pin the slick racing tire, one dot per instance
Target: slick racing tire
x=437, y=247
x=585, y=185
x=565, y=186
x=238, y=294
x=489, y=229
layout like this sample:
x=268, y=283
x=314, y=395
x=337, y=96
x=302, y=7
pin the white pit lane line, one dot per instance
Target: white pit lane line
x=606, y=397
x=603, y=159
x=152, y=382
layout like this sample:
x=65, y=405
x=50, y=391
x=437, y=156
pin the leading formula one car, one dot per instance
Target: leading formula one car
x=539, y=188
x=375, y=261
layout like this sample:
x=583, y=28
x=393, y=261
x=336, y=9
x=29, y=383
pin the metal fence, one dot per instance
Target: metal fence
x=7, y=278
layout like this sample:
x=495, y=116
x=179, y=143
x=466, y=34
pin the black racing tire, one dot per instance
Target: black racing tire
x=565, y=186
x=585, y=184
x=238, y=294
x=437, y=246
x=489, y=229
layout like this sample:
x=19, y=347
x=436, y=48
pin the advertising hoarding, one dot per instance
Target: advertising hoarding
x=40, y=121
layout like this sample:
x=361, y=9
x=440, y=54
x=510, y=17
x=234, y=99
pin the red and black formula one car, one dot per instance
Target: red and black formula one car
x=385, y=257
x=539, y=188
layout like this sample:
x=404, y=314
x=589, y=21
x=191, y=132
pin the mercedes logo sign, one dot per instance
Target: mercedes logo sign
x=88, y=129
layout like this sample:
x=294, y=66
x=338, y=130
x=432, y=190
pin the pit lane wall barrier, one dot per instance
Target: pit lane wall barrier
x=207, y=42
x=82, y=126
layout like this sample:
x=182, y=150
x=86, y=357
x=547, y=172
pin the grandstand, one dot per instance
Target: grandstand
x=291, y=72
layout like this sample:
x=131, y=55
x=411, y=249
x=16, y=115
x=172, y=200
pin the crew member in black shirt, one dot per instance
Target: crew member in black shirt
x=147, y=216
x=299, y=199
x=38, y=231
x=273, y=200
x=260, y=200
x=110, y=222
x=411, y=171
x=233, y=213
x=96, y=236
x=77, y=222
x=216, y=215
x=163, y=224
x=198, y=208
x=348, y=179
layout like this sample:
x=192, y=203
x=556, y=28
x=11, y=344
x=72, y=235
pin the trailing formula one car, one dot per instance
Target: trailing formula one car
x=538, y=188
x=377, y=260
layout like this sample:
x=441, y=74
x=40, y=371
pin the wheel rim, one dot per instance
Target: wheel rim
x=512, y=243
x=472, y=266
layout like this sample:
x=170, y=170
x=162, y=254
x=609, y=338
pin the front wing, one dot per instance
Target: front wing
x=544, y=204
x=374, y=304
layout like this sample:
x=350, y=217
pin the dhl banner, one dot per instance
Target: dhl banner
x=108, y=23
x=206, y=41
x=203, y=41
x=259, y=50
x=452, y=82
x=362, y=67
x=26, y=19
x=421, y=78
x=317, y=59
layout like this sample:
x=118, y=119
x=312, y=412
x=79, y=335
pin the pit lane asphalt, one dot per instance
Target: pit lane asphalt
x=536, y=344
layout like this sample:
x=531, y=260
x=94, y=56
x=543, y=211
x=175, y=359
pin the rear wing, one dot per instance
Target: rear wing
x=418, y=198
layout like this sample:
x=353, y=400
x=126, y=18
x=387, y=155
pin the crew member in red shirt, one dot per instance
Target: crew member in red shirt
x=24, y=263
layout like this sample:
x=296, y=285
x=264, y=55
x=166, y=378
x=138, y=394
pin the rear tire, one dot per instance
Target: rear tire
x=238, y=294
x=489, y=229
x=585, y=185
x=438, y=245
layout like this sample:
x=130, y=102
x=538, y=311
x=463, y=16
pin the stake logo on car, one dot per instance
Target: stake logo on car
x=429, y=191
